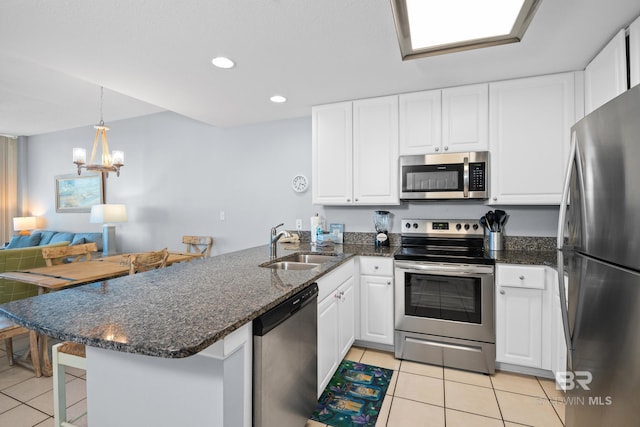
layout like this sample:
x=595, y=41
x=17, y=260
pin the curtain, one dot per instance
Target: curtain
x=8, y=186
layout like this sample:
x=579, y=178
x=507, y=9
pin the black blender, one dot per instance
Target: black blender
x=381, y=220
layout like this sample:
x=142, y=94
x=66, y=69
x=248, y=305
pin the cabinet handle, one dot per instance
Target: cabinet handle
x=437, y=148
x=446, y=148
x=521, y=277
x=495, y=199
x=388, y=282
x=348, y=200
x=502, y=292
x=375, y=267
x=356, y=200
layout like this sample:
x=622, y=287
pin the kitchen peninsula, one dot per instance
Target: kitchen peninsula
x=171, y=346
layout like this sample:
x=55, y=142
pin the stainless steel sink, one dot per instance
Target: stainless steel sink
x=292, y=265
x=309, y=258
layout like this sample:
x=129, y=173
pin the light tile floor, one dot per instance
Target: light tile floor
x=427, y=395
x=419, y=395
x=27, y=401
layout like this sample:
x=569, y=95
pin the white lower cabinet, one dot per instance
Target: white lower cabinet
x=336, y=320
x=523, y=324
x=376, y=300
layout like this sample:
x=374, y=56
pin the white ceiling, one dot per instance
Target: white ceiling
x=154, y=55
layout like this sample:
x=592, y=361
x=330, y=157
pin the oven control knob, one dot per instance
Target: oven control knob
x=458, y=226
x=466, y=226
x=415, y=225
x=407, y=225
x=475, y=226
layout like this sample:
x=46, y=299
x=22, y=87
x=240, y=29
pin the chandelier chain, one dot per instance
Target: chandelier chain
x=101, y=102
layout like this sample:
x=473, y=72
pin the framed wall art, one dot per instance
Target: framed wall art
x=77, y=193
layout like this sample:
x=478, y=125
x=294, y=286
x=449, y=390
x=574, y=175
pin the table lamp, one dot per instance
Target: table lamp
x=24, y=224
x=108, y=215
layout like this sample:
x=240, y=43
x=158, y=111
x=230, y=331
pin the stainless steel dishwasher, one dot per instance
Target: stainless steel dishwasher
x=285, y=362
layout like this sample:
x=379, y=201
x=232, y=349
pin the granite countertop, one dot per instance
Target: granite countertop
x=181, y=310
x=177, y=311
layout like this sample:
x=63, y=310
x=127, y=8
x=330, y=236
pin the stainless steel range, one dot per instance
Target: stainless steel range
x=444, y=293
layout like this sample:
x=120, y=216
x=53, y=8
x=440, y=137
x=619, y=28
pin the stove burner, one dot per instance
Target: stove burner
x=443, y=241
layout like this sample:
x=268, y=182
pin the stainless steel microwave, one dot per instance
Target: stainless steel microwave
x=445, y=176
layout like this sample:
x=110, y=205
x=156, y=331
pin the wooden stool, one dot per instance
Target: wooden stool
x=65, y=354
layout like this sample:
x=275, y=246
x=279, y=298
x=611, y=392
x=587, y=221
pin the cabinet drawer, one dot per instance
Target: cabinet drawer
x=518, y=276
x=376, y=266
x=332, y=280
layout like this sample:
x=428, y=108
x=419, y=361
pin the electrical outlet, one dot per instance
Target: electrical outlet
x=299, y=224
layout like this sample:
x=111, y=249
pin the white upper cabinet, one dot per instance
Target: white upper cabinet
x=355, y=153
x=606, y=75
x=530, y=126
x=332, y=154
x=420, y=122
x=448, y=120
x=465, y=118
x=375, y=151
x=634, y=52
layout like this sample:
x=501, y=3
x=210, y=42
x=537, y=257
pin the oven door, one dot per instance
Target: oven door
x=447, y=300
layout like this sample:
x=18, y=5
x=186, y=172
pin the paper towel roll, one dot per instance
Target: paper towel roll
x=316, y=221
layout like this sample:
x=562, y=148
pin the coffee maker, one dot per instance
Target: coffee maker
x=381, y=220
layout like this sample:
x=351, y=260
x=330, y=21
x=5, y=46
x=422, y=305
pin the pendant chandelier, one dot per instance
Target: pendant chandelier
x=111, y=162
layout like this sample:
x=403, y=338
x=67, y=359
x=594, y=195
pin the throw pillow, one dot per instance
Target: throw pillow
x=23, y=241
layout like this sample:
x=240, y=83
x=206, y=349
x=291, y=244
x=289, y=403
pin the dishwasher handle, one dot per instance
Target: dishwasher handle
x=281, y=312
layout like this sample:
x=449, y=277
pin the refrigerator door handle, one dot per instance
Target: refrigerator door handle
x=565, y=191
x=564, y=311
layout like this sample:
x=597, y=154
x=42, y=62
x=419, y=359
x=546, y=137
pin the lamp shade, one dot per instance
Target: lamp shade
x=108, y=214
x=22, y=223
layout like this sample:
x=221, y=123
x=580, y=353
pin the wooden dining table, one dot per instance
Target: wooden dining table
x=62, y=276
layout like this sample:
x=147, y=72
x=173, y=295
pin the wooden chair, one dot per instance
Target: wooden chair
x=8, y=330
x=198, y=244
x=54, y=256
x=146, y=261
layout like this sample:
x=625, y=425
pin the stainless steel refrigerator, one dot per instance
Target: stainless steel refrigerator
x=599, y=254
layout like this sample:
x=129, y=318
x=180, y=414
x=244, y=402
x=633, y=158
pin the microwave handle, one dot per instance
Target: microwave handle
x=465, y=178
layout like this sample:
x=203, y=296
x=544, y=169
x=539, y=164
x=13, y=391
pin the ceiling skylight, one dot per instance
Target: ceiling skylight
x=435, y=27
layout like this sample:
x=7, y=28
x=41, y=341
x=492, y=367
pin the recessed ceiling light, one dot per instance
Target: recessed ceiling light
x=278, y=99
x=434, y=27
x=222, y=62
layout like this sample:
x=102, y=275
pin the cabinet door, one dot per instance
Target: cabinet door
x=530, y=130
x=347, y=310
x=375, y=151
x=465, y=118
x=376, y=309
x=519, y=326
x=332, y=154
x=420, y=122
x=606, y=75
x=634, y=52
x=328, y=340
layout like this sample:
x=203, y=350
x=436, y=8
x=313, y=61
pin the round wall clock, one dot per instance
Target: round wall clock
x=300, y=183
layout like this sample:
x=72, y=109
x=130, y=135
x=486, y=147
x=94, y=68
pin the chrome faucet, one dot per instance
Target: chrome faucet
x=275, y=236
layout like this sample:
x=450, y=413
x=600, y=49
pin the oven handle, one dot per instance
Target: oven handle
x=466, y=269
x=443, y=345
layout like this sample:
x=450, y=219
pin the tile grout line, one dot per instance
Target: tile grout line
x=497, y=401
x=549, y=400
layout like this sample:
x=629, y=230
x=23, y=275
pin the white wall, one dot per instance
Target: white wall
x=179, y=174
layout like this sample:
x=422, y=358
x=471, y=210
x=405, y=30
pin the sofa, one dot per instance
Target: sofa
x=21, y=259
x=47, y=237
